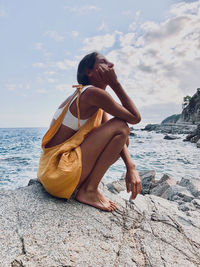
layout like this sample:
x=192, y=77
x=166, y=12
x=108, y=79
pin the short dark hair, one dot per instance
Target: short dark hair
x=86, y=63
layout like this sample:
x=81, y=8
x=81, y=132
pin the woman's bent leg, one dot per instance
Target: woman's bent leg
x=100, y=150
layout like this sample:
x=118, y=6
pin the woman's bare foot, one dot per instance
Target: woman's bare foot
x=95, y=199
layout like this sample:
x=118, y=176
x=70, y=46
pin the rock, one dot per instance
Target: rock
x=177, y=191
x=40, y=230
x=171, y=137
x=191, y=113
x=150, y=127
x=33, y=181
x=196, y=202
x=132, y=134
x=171, y=119
x=194, y=136
x=147, y=179
x=171, y=128
x=192, y=184
x=198, y=143
x=186, y=206
x=162, y=185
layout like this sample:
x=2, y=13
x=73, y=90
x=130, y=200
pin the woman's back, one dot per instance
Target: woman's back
x=69, y=125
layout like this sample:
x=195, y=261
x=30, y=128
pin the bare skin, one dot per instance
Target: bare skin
x=108, y=142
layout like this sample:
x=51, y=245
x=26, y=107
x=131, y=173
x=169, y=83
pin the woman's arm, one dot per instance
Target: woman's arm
x=100, y=98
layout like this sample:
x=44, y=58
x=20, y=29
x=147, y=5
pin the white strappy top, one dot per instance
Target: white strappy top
x=70, y=120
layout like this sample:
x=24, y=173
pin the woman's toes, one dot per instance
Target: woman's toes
x=113, y=204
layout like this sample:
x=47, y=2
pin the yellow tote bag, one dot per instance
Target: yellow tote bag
x=60, y=166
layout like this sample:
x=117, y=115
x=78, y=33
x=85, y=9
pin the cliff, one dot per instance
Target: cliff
x=190, y=114
x=172, y=119
x=40, y=230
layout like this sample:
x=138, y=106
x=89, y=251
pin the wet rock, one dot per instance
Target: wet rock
x=132, y=134
x=196, y=202
x=162, y=185
x=147, y=180
x=194, y=136
x=171, y=128
x=192, y=184
x=176, y=190
x=198, y=143
x=186, y=206
x=171, y=137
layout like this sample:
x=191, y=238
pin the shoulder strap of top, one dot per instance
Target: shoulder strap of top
x=80, y=88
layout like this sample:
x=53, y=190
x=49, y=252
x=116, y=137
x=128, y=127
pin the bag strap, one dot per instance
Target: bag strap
x=79, y=88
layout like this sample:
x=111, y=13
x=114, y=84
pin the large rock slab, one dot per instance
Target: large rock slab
x=162, y=185
x=177, y=192
x=192, y=184
x=40, y=230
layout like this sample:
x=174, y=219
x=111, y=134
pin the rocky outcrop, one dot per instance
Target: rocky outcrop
x=184, y=123
x=170, y=128
x=172, y=119
x=194, y=136
x=191, y=113
x=182, y=192
x=40, y=230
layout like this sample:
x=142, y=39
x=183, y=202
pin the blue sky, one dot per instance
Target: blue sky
x=155, y=46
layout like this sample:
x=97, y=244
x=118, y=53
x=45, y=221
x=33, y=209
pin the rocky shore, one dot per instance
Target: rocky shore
x=191, y=131
x=188, y=122
x=161, y=227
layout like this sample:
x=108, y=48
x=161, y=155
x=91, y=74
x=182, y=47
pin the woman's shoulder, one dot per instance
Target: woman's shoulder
x=64, y=102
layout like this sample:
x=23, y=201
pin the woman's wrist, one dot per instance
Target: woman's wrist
x=131, y=166
x=115, y=84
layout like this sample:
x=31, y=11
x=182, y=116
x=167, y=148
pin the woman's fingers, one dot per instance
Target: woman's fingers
x=136, y=189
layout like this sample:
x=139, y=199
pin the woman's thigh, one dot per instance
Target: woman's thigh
x=96, y=141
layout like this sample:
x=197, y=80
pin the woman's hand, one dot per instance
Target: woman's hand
x=133, y=182
x=105, y=75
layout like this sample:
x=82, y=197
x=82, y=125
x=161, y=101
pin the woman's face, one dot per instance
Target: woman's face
x=102, y=61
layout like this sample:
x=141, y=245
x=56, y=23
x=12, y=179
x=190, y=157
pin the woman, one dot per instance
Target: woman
x=82, y=143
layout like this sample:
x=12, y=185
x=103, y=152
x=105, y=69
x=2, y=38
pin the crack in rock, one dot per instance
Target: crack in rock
x=182, y=252
x=18, y=230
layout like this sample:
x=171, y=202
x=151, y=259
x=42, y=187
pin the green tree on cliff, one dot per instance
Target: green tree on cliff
x=186, y=101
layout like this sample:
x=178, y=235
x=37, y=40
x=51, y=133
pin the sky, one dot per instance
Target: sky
x=154, y=45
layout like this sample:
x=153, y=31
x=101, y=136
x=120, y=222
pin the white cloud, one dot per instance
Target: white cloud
x=75, y=33
x=103, y=27
x=38, y=65
x=66, y=64
x=82, y=9
x=134, y=24
x=38, y=46
x=183, y=8
x=162, y=64
x=63, y=87
x=54, y=35
x=49, y=73
x=127, y=39
x=99, y=42
x=13, y=86
x=51, y=80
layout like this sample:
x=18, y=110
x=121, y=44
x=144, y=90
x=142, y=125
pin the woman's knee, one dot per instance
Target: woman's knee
x=121, y=127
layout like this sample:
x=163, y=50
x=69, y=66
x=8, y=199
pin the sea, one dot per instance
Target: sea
x=20, y=150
